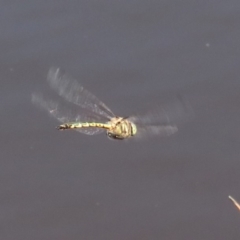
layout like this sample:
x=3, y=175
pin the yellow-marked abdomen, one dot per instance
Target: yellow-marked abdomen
x=75, y=125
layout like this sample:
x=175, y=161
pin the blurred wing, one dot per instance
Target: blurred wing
x=161, y=131
x=72, y=91
x=64, y=114
x=163, y=120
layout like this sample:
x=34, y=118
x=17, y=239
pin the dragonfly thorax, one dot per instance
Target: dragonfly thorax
x=121, y=128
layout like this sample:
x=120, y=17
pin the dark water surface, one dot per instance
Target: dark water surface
x=65, y=185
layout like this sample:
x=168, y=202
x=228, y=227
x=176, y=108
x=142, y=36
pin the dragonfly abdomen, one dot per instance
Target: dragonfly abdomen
x=75, y=125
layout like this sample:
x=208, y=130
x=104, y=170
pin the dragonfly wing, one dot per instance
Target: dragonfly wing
x=162, y=131
x=72, y=91
x=163, y=120
x=90, y=131
x=64, y=114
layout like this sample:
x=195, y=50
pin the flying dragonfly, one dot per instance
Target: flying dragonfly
x=87, y=114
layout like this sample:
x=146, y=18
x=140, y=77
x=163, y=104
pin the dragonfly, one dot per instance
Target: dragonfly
x=80, y=110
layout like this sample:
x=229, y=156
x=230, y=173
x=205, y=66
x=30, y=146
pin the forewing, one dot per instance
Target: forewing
x=144, y=131
x=65, y=114
x=163, y=120
x=72, y=91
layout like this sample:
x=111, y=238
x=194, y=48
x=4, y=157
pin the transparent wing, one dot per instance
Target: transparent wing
x=64, y=113
x=72, y=91
x=163, y=120
x=149, y=131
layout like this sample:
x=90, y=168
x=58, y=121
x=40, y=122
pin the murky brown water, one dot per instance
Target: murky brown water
x=64, y=185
